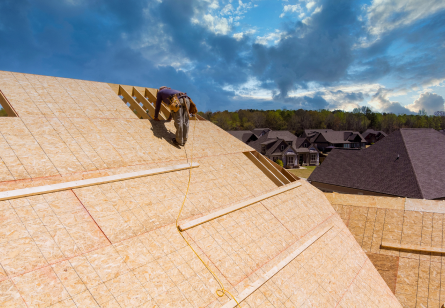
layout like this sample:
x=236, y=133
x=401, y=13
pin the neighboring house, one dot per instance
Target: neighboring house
x=283, y=145
x=372, y=136
x=243, y=135
x=327, y=139
x=407, y=163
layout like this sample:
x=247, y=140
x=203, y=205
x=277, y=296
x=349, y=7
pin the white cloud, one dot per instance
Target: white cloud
x=430, y=102
x=290, y=9
x=240, y=35
x=218, y=25
x=273, y=36
x=217, y=20
x=386, y=15
x=381, y=101
x=228, y=9
x=317, y=10
x=310, y=4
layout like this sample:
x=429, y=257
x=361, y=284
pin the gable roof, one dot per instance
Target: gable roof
x=271, y=136
x=272, y=149
x=300, y=141
x=407, y=163
x=336, y=137
x=375, y=132
x=259, y=131
x=243, y=135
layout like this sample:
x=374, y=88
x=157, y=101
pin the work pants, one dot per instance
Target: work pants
x=181, y=118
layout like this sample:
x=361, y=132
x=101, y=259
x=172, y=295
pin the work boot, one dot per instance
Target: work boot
x=176, y=142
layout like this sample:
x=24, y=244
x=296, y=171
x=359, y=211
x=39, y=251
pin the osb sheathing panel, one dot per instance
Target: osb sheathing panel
x=116, y=244
x=420, y=274
x=35, y=95
x=50, y=150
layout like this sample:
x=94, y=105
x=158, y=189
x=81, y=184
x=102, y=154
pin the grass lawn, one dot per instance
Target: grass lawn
x=302, y=173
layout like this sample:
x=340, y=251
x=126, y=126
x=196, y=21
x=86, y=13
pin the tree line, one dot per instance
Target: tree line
x=296, y=121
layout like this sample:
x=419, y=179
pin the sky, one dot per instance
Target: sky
x=388, y=55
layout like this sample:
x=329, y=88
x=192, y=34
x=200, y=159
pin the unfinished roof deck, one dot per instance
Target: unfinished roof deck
x=405, y=240
x=115, y=244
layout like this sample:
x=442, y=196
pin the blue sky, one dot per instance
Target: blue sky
x=228, y=55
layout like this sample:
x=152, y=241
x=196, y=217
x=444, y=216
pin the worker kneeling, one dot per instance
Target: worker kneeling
x=181, y=106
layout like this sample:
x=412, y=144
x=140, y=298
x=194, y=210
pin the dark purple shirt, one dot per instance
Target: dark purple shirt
x=163, y=96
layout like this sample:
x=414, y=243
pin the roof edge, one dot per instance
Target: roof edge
x=411, y=164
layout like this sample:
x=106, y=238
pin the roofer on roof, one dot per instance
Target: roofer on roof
x=180, y=116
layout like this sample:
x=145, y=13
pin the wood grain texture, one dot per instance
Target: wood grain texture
x=236, y=207
x=19, y=193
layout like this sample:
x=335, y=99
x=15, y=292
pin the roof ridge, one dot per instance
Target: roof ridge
x=411, y=163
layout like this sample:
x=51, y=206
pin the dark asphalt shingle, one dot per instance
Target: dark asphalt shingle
x=407, y=163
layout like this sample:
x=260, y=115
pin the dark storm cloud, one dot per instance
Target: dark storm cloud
x=413, y=55
x=138, y=42
x=320, y=51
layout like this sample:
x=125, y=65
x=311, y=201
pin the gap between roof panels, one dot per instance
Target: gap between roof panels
x=7, y=106
x=142, y=101
x=277, y=174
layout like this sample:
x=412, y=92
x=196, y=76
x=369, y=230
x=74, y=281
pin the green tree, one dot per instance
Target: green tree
x=3, y=113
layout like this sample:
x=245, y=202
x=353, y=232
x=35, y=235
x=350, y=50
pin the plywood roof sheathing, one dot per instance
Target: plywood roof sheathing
x=258, y=283
x=39, y=190
x=236, y=207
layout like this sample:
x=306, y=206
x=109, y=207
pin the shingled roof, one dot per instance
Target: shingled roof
x=407, y=163
x=243, y=135
x=89, y=195
x=375, y=132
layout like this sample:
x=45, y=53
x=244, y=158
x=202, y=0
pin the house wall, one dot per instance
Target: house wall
x=346, y=190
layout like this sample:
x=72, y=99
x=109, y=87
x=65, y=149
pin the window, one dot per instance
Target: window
x=313, y=156
x=305, y=145
x=290, y=159
x=346, y=145
x=282, y=147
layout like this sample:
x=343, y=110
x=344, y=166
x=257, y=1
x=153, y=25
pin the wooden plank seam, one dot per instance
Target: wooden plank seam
x=31, y=191
x=237, y=206
x=257, y=284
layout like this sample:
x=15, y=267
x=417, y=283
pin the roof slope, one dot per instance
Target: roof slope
x=339, y=136
x=406, y=163
x=400, y=221
x=375, y=132
x=242, y=135
x=116, y=244
x=426, y=148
